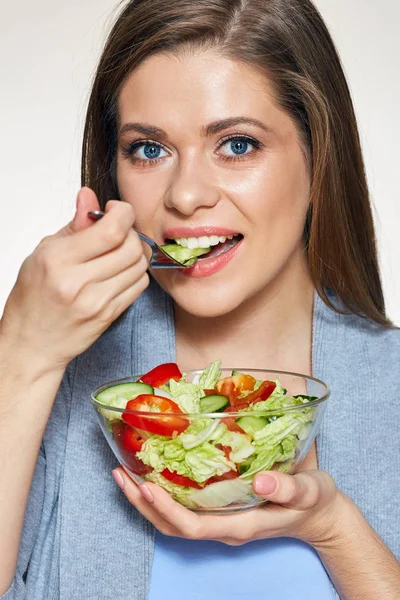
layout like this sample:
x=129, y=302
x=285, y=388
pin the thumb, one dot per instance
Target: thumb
x=301, y=491
x=86, y=201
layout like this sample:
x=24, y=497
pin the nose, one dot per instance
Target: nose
x=192, y=187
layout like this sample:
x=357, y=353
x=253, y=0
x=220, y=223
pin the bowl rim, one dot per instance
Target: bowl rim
x=221, y=415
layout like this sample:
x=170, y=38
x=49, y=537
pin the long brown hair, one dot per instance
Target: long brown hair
x=288, y=41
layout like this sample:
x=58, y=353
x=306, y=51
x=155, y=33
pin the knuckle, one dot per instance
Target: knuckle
x=65, y=290
x=44, y=257
x=86, y=308
x=193, y=532
x=114, y=235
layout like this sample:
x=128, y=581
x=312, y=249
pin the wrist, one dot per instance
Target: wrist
x=24, y=364
x=342, y=517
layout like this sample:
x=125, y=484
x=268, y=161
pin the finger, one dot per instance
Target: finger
x=129, y=296
x=99, y=297
x=85, y=202
x=114, y=262
x=102, y=237
x=301, y=491
x=139, y=496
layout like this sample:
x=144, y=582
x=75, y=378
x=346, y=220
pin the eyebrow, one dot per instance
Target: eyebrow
x=210, y=129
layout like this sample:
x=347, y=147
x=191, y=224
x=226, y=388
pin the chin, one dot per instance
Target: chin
x=208, y=301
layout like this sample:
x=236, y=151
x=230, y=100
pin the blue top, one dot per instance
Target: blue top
x=279, y=569
x=82, y=538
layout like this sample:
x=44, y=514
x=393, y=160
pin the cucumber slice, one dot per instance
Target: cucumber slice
x=125, y=390
x=245, y=465
x=252, y=424
x=234, y=373
x=214, y=403
x=186, y=256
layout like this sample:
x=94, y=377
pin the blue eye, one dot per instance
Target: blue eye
x=148, y=151
x=239, y=146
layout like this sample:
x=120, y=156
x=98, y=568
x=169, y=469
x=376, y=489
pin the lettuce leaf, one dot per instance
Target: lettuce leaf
x=291, y=423
x=111, y=415
x=199, y=463
x=210, y=375
x=186, y=395
x=198, y=432
x=241, y=446
x=179, y=493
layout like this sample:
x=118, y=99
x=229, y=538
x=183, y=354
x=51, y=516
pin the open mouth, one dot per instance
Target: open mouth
x=209, y=246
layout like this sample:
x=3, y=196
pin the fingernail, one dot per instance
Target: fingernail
x=119, y=480
x=265, y=485
x=146, y=493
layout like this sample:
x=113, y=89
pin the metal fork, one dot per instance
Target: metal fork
x=159, y=258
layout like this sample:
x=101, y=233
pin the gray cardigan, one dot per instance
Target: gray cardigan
x=83, y=540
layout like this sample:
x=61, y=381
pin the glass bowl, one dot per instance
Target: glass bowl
x=213, y=457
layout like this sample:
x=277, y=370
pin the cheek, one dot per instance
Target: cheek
x=143, y=190
x=274, y=196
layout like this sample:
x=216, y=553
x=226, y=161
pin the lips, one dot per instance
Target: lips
x=210, y=264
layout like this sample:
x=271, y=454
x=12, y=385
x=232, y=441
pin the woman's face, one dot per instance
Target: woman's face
x=205, y=150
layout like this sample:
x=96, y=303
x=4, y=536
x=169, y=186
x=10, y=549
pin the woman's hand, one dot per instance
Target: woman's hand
x=74, y=285
x=304, y=506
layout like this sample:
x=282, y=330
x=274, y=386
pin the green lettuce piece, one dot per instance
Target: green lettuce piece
x=263, y=461
x=272, y=434
x=206, y=461
x=241, y=446
x=217, y=433
x=174, y=451
x=198, y=432
x=179, y=493
x=210, y=375
x=199, y=463
x=288, y=446
x=186, y=395
x=152, y=452
x=268, y=456
x=275, y=402
x=111, y=415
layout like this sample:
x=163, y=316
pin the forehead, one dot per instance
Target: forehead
x=195, y=87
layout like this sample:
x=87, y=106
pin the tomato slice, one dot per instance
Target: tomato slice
x=180, y=479
x=231, y=423
x=160, y=425
x=161, y=374
x=226, y=387
x=129, y=443
x=224, y=477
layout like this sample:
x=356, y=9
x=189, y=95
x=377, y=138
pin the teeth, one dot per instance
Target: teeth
x=214, y=240
x=192, y=243
x=203, y=241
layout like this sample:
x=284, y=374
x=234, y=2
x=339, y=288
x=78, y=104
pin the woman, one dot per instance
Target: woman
x=214, y=117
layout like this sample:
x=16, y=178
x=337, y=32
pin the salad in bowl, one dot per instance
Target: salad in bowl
x=203, y=435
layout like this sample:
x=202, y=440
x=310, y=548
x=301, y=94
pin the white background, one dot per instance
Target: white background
x=48, y=51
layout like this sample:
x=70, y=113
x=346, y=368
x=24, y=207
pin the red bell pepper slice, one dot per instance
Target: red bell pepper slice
x=161, y=374
x=158, y=424
x=262, y=393
x=180, y=479
x=224, y=477
x=129, y=443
